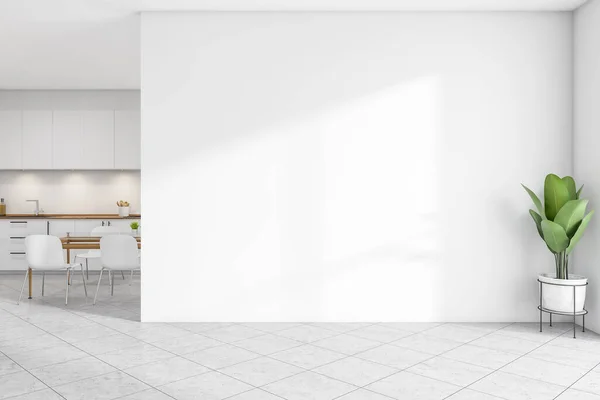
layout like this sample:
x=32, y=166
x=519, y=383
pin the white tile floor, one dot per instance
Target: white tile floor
x=51, y=351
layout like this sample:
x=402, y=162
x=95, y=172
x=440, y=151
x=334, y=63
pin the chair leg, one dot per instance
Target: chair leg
x=43, y=282
x=70, y=275
x=87, y=270
x=83, y=277
x=112, y=286
x=23, y=287
x=123, y=275
x=98, y=286
x=67, y=291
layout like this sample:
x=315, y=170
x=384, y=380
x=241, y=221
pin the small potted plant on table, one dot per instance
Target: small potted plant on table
x=135, y=227
x=561, y=222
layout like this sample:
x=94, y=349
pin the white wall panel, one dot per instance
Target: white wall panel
x=349, y=166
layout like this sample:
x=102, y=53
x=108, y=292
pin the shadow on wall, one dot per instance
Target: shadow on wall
x=352, y=175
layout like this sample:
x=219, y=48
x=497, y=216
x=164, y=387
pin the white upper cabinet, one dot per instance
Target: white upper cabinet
x=70, y=139
x=127, y=139
x=67, y=140
x=10, y=140
x=98, y=140
x=37, y=139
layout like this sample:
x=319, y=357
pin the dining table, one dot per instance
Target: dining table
x=81, y=241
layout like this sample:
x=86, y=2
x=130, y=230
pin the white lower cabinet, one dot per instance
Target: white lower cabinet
x=12, y=241
x=60, y=227
x=122, y=224
x=85, y=226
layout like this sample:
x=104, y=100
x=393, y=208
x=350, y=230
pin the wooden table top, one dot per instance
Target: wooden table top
x=86, y=242
x=87, y=239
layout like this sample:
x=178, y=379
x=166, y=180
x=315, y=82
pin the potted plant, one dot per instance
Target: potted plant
x=123, y=208
x=135, y=226
x=561, y=222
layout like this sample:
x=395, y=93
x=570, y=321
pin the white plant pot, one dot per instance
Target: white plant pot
x=557, y=295
x=123, y=212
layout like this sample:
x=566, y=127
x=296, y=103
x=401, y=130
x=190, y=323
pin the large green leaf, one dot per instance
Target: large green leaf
x=555, y=236
x=556, y=195
x=536, y=201
x=571, y=188
x=570, y=215
x=584, y=223
x=578, y=194
x=537, y=218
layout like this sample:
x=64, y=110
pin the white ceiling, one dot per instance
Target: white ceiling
x=95, y=44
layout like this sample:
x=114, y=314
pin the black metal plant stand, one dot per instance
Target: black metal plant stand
x=574, y=313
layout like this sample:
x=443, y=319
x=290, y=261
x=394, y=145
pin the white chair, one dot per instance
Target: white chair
x=45, y=253
x=118, y=253
x=95, y=254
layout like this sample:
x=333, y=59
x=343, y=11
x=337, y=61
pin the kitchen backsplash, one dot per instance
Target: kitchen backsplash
x=70, y=192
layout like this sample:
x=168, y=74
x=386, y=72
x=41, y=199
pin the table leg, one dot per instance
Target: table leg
x=69, y=262
x=30, y=282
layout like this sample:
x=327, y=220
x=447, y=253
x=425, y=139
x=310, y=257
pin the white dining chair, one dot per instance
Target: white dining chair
x=118, y=253
x=45, y=253
x=95, y=254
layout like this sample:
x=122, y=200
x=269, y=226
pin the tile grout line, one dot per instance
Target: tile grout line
x=512, y=354
x=183, y=356
x=518, y=358
x=268, y=355
x=29, y=372
x=118, y=369
x=580, y=378
x=305, y=370
x=60, y=306
x=364, y=387
x=441, y=355
x=346, y=356
x=301, y=344
x=434, y=356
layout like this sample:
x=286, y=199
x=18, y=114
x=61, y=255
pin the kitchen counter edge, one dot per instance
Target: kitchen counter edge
x=69, y=216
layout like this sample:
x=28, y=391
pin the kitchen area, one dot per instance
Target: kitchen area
x=69, y=159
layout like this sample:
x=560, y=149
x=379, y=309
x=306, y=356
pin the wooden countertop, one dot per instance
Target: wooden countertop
x=69, y=216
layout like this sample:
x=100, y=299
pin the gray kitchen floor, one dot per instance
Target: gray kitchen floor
x=51, y=351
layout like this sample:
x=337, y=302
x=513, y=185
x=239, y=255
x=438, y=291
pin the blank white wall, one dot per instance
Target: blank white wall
x=349, y=166
x=586, y=145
